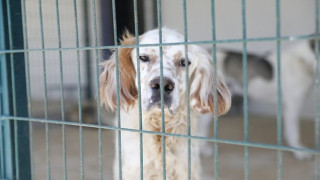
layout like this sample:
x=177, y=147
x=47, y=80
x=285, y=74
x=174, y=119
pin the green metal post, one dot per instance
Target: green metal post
x=6, y=163
x=15, y=134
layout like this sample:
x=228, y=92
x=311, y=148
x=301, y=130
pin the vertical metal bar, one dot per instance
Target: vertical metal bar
x=94, y=24
x=7, y=170
x=7, y=157
x=136, y=30
x=115, y=37
x=15, y=70
x=159, y=14
x=62, y=93
x=279, y=101
x=185, y=21
x=13, y=88
x=1, y=106
x=25, y=35
x=19, y=100
x=1, y=144
x=215, y=116
x=28, y=84
x=317, y=93
x=75, y=11
x=45, y=91
x=245, y=89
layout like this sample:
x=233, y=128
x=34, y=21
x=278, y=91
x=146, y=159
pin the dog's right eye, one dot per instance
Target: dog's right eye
x=144, y=58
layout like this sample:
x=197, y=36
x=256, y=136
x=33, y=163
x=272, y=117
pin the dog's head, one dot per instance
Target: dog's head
x=201, y=75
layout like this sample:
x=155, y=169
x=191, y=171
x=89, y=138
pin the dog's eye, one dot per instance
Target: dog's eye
x=183, y=63
x=144, y=58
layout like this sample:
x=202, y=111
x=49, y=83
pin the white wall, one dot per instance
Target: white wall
x=297, y=18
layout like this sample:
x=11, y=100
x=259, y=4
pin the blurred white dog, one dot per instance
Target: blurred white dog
x=297, y=76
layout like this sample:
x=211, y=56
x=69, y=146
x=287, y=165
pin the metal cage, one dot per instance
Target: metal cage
x=16, y=111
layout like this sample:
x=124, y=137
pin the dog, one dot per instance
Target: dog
x=297, y=76
x=201, y=76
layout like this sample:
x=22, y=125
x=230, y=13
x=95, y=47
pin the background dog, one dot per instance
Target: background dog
x=297, y=76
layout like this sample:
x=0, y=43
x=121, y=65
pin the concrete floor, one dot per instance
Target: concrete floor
x=263, y=163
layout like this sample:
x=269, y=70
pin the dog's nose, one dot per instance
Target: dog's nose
x=167, y=84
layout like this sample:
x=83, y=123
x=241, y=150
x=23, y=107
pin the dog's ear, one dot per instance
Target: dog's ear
x=127, y=88
x=202, y=87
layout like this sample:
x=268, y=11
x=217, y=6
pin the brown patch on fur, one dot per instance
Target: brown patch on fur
x=193, y=75
x=128, y=90
x=223, y=107
x=107, y=78
x=221, y=101
x=177, y=57
x=126, y=68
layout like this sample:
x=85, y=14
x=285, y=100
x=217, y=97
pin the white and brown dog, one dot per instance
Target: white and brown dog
x=297, y=76
x=201, y=77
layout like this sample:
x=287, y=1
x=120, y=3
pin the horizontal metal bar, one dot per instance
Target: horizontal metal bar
x=283, y=38
x=223, y=141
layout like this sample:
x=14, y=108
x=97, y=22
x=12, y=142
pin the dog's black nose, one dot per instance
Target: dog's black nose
x=167, y=84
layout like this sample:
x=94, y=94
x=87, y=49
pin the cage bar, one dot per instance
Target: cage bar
x=47, y=130
x=185, y=21
x=215, y=114
x=28, y=84
x=62, y=101
x=14, y=103
x=94, y=24
x=6, y=168
x=136, y=32
x=279, y=92
x=245, y=90
x=115, y=37
x=163, y=128
x=317, y=92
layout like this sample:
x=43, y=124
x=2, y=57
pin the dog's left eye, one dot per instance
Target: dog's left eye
x=183, y=63
x=144, y=58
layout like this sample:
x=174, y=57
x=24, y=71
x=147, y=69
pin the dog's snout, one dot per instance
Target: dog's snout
x=168, y=87
x=167, y=84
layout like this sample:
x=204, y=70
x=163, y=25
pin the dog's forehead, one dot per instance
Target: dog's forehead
x=168, y=36
x=167, y=51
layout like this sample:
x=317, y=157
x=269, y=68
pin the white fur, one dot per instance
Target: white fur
x=297, y=75
x=201, y=92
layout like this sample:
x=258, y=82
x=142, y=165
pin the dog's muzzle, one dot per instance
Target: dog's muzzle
x=156, y=92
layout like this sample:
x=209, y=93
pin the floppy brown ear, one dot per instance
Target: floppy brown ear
x=127, y=88
x=202, y=88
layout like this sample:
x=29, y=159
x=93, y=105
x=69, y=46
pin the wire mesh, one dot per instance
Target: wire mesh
x=119, y=129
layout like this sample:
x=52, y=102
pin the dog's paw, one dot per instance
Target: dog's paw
x=206, y=150
x=302, y=155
